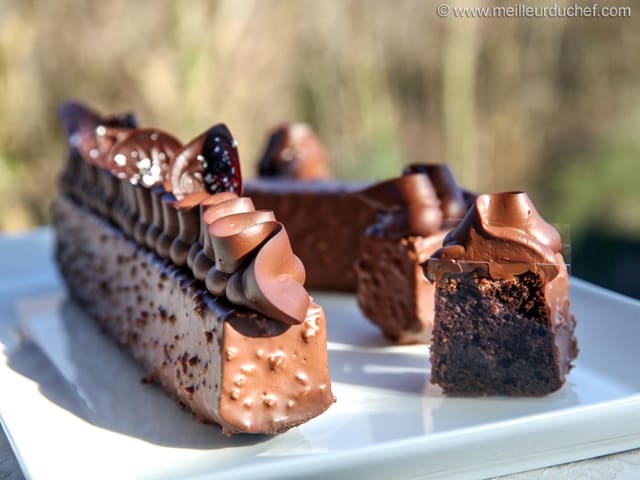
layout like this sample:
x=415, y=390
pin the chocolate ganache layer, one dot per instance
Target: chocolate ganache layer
x=203, y=289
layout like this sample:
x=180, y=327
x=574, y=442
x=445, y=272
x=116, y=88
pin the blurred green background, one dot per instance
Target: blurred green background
x=549, y=105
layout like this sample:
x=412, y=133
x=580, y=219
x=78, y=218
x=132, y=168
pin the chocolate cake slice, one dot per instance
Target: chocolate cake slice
x=502, y=320
x=393, y=292
x=247, y=348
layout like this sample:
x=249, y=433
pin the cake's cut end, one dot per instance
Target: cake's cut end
x=502, y=319
x=392, y=291
x=268, y=388
x=294, y=151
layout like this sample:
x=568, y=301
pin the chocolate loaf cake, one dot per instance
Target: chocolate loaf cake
x=502, y=319
x=415, y=212
x=243, y=346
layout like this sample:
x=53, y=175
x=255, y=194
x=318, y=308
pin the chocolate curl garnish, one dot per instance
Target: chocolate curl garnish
x=504, y=233
x=80, y=123
x=408, y=204
x=294, y=151
x=273, y=283
x=454, y=205
x=209, y=163
x=143, y=156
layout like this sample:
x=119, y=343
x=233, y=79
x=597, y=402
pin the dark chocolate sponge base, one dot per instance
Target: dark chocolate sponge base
x=229, y=365
x=494, y=337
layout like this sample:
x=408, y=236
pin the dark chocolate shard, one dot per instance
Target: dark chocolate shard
x=209, y=163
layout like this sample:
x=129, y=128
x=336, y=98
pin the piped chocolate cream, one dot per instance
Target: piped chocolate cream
x=208, y=296
x=452, y=197
x=406, y=205
x=503, y=233
x=294, y=151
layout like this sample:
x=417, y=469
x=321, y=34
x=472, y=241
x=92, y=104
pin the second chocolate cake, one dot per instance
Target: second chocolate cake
x=415, y=212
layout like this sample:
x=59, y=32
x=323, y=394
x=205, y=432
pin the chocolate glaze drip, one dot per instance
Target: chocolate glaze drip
x=407, y=205
x=254, y=264
x=504, y=234
x=157, y=221
x=294, y=151
x=188, y=238
x=453, y=204
x=170, y=227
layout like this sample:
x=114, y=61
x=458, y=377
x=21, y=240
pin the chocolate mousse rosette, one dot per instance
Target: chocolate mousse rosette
x=206, y=165
x=294, y=151
x=502, y=235
x=406, y=205
x=454, y=200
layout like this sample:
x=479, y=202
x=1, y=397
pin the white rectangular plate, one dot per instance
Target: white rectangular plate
x=73, y=406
